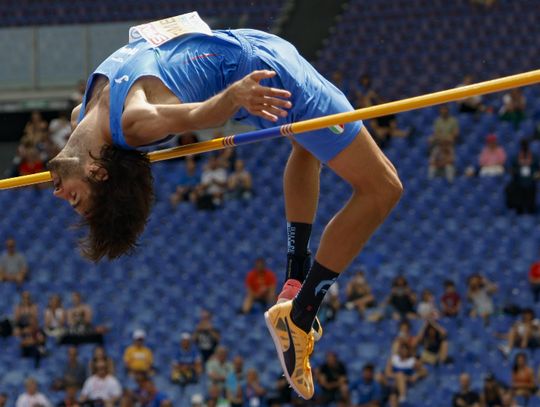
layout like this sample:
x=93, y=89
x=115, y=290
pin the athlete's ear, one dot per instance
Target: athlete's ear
x=98, y=173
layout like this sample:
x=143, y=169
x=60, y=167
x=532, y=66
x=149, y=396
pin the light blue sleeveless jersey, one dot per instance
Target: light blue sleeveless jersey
x=196, y=67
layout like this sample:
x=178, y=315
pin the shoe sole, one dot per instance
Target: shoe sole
x=277, y=344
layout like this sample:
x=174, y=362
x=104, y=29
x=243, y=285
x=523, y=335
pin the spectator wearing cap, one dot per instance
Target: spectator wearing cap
x=137, y=357
x=13, y=265
x=32, y=397
x=187, y=366
x=492, y=158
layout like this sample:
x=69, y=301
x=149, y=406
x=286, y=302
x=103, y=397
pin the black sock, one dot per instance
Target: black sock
x=309, y=298
x=298, y=254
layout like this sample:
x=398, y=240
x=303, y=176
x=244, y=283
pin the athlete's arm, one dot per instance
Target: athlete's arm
x=144, y=122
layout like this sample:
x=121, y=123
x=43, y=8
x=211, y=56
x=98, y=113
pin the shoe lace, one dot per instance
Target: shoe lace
x=309, y=351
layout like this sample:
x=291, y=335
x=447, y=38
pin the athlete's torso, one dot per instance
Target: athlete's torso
x=187, y=69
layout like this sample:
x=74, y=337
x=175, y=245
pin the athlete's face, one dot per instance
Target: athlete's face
x=70, y=182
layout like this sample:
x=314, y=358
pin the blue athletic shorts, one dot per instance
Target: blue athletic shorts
x=312, y=95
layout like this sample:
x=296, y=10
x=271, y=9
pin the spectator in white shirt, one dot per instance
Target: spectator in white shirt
x=32, y=397
x=102, y=386
x=209, y=194
x=60, y=130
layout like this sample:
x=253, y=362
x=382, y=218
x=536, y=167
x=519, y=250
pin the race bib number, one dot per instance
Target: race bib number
x=160, y=31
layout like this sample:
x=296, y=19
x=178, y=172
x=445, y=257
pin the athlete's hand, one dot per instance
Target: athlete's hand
x=259, y=100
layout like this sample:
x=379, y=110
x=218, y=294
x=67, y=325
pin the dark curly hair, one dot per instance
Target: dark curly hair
x=120, y=203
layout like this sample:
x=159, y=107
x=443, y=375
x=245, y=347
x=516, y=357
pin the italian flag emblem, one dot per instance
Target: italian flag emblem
x=337, y=129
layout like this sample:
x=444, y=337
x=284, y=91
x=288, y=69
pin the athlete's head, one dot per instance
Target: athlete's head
x=113, y=193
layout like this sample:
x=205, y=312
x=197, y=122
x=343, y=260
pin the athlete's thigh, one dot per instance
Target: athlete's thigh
x=363, y=164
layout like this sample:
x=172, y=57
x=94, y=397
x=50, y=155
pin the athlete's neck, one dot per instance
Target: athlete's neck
x=87, y=138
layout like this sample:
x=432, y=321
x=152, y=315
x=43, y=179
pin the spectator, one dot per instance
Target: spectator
x=260, y=286
x=31, y=161
x=215, y=397
x=471, y=104
x=209, y=193
x=253, y=392
x=25, y=311
x=404, y=337
x=386, y=127
x=445, y=128
x=434, y=342
x=226, y=157
x=3, y=399
x=441, y=161
x=206, y=336
x=74, y=371
x=332, y=378
x=513, y=108
x=100, y=355
x=534, y=280
x=32, y=341
x=330, y=304
x=404, y=370
x=239, y=183
x=187, y=366
x=147, y=394
x=523, y=334
x=522, y=377
x=492, y=158
x=79, y=317
x=32, y=397
x=36, y=129
x=71, y=398
x=60, y=130
x=402, y=299
x=187, y=183
x=365, y=94
x=138, y=358
x=102, y=386
x=235, y=382
x=218, y=368
x=359, y=293
x=491, y=395
x=427, y=309
x=465, y=397
x=479, y=293
x=521, y=191
x=13, y=266
x=450, y=300
x=55, y=317
x=366, y=391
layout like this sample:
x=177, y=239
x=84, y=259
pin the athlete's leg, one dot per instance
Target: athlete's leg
x=376, y=189
x=301, y=190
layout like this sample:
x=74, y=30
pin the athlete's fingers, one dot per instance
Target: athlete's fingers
x=262, y=74
x=269, y=116
x=264, y=114
x=277, y=102
x=275, y=92
x=271, y=92
x=274, y=110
